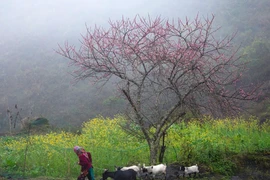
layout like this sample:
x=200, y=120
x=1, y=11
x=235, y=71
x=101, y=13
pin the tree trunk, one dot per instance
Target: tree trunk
x=154, y=147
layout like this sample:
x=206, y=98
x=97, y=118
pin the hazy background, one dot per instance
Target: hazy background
x=38, y=80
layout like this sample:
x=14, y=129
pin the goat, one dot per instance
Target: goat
x=129, y=174
x=192, y=170
x=155, y=170
x=107, y=174
x=173, y=172
x=134, y=167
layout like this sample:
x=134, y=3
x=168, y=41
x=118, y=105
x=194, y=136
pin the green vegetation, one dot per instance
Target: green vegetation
x=212, y=144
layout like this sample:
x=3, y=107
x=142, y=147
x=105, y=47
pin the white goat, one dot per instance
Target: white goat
x=155, y=170
x=134, y=167
x=192, y=170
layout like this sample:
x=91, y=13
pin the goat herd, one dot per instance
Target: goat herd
x=160, y=171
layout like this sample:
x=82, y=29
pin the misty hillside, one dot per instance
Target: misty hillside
x=40, y=82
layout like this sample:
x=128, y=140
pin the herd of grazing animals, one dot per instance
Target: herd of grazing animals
x=169, y=172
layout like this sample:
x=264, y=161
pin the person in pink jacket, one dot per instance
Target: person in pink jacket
x=85, y=161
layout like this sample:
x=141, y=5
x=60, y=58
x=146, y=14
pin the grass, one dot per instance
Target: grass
x=210, y=143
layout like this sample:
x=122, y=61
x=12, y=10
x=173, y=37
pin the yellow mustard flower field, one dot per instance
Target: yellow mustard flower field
x=205, y=141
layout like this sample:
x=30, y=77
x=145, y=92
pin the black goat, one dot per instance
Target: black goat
x=129, y=174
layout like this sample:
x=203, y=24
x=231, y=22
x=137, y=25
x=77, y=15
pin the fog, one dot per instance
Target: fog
x=32, y=24
x=38, y=80
x=37, y=25
x=64, y=18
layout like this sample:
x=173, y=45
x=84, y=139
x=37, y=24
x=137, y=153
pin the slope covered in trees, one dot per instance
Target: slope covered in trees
x=252, y=22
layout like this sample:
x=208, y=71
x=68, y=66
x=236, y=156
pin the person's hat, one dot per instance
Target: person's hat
x=76, y=148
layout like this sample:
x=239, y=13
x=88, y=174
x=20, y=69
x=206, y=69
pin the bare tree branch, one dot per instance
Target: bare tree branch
x=165, y=69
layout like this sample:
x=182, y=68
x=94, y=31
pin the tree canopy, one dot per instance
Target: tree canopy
x=165, y=69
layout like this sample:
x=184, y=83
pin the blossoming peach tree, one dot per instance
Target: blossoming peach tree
x=165, y=68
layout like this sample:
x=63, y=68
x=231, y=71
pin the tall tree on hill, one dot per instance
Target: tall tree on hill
x=165, y=69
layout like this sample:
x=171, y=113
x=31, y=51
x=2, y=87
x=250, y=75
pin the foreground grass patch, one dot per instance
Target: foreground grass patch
x=209, y=143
